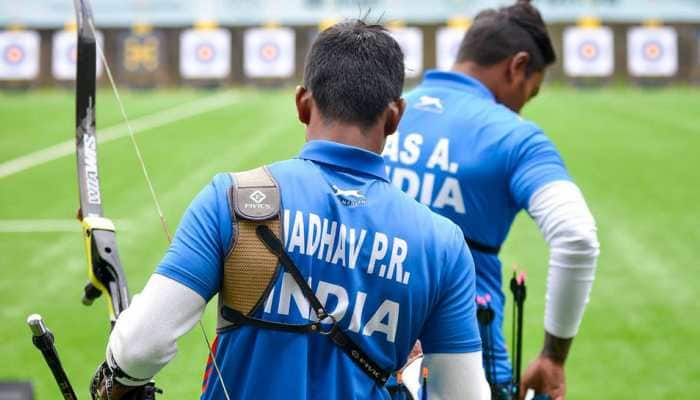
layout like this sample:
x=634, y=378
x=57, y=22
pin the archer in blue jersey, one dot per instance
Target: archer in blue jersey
x=384, y=280
x=385, y=267
x=477, y=163
x=463, y=150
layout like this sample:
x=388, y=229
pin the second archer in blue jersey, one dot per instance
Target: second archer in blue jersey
x=477, y=163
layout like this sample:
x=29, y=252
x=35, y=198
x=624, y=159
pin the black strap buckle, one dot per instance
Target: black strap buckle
x=333, y=324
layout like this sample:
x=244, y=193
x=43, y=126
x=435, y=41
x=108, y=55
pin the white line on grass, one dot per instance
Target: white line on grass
x=47, y=225
x=158, y=119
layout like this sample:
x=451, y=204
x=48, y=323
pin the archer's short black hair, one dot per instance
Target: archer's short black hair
x=354, y=70
x=498, y=34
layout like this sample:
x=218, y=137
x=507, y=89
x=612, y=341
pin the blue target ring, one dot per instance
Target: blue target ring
x=72, y=53
x=13, y=54
x=205, y=53
x=652, y=50
x=269, y=52
x=588, y=51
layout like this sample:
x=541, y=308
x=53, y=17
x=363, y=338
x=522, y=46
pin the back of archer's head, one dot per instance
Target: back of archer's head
x=354, y=70
x=498, y=34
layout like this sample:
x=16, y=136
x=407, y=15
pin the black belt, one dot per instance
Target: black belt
x=482, y=248
x=335, y=333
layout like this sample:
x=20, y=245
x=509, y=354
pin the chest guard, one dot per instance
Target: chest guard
x=253, y=264
x=250, y=270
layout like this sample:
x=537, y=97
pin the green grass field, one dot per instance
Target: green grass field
x=634, y=153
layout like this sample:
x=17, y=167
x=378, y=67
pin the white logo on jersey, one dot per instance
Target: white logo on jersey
x=431, y=104
x=347, y=193
x=349, y=197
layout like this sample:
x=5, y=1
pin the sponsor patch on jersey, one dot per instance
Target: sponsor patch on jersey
x=430, y=104
x=349, y=197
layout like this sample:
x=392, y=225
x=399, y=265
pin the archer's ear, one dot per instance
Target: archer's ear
x=304, y=105
x=517, y=68
x=394, y=114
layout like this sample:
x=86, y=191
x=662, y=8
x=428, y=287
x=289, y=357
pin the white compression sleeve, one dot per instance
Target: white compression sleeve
x=144, y=339
x=567, y=225
x=458, y=376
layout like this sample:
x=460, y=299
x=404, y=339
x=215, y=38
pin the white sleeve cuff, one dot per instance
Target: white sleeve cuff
x=457, y=376
x=144, y=338
x=561, y=213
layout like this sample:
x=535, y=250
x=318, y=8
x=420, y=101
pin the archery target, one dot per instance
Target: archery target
x=589, y=52
x=64, y=55
x=447, y=46
x=652, y=51
x=205, y=53
x=411, y=42
x=19, y=55
x=268, y=53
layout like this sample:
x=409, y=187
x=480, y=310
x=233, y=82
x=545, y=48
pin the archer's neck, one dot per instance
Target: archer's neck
x=371, y=139
x=488, y=76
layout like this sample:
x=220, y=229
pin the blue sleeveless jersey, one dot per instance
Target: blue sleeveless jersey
x=477, y=163
x=387, y=268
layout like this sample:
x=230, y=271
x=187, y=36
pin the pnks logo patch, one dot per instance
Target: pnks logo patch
x=257, y=200
x=257, y=196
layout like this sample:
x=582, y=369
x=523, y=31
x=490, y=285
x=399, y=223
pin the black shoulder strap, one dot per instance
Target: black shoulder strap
x=275, y=246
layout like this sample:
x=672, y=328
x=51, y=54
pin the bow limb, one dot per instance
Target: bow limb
x=105, y=271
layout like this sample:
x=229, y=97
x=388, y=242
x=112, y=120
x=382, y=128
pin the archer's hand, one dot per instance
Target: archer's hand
x=104, y=387
x=544, y=376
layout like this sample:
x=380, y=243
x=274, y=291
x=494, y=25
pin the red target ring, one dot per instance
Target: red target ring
x=269, y=52
x=13, y=54
x=588, y=51
x=652, y=51
x=205, y=53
